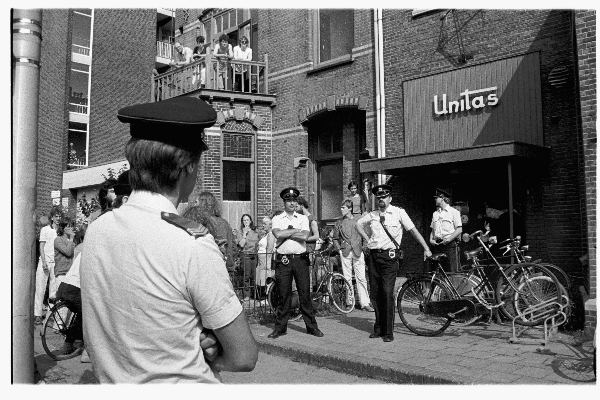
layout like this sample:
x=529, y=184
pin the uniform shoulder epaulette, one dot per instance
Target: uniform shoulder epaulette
x=193, y=228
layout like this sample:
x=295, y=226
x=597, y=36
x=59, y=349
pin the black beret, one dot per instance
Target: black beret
x=179, y=121
x=289, y=193
x=381, y=191
x=441, y=193
x=123, y=188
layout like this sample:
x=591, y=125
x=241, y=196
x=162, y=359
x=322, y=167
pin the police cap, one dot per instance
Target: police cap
x=381, y=191
x=123, y=188
x=178, y=121
x=290, y=193
x=441, y=193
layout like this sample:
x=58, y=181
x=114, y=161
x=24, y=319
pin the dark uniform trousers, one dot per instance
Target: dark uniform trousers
x=382, y=276
x=298, y=269
x=451, y=250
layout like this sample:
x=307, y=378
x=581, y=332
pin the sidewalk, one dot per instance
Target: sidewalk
x=478, y=354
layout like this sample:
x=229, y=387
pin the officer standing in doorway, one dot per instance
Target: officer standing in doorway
x=291, y=230
x=446, y=228
x=386, y=223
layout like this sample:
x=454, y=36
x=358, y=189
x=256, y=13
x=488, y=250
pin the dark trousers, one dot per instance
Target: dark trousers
x=297, y=269
x=72, y=296
x=382, y=276
x=451, y=250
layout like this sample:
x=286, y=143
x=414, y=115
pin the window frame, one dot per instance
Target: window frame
x=251, y=161
x=316, y=41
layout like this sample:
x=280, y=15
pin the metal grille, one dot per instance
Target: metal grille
x=237, y=146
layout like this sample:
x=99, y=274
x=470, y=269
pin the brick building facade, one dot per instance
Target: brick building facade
x=337, y=103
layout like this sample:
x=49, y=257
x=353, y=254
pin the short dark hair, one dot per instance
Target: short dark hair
x=156, y=166
x=55, y=210
x=62, y=224
x=302, y=201
x=348, y=204
x=244, y=39
x=352, y=183
x=200, y=39
x=224, y=37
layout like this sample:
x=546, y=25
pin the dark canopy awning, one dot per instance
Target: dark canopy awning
x=484, y=152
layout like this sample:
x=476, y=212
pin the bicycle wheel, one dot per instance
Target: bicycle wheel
x=561, y=275
x=533, y=292
x=411, y=302
x=273, y=300
x=54, y=332
x=341, y=293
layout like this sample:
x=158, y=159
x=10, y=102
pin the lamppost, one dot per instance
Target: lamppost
x=26, y=45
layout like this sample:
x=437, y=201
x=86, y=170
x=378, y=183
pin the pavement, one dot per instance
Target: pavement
x=477, y=354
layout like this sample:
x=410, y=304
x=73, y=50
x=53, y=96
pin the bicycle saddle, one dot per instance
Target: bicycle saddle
x=438, y=256
x=473, y=253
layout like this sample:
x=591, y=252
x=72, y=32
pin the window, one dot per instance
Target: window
x=82, y=31
x=77, y=145
x=236, y=180
x=78, y=88
x=228, y=22
x=335, y=34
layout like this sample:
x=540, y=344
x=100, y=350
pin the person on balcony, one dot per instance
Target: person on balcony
x=242, y=53
x=199, y=53
x=183, y=56
x=224, y=53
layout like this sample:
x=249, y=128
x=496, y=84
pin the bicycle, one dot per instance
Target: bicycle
x=428, y=303
x=332, y=289
x=60, y=321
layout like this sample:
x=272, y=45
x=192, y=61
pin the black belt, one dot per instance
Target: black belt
x=380, y=250
x=292, y=255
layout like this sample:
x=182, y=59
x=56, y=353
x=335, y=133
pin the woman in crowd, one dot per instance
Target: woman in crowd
x=264, y=250
x=199, y=52
x=64, y=250
x=246, y=239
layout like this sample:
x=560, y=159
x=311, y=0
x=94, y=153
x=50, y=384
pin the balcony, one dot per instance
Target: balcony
x=216, y=77
x=164, y=53
x=78, y=108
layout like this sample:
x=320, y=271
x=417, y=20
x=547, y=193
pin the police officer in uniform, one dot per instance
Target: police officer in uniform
x=446, y=228
x=152, y=282
x=291, y=230
x=384, y=254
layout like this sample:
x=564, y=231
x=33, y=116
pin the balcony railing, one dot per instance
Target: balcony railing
x=78, y=108
x=76, y=162
x=213, y=73
x=164, y=49
x=75, y=48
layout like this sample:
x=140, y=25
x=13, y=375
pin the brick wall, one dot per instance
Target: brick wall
x=121, y=76
x=585, y=25
x=427, y=45
x=53, y=117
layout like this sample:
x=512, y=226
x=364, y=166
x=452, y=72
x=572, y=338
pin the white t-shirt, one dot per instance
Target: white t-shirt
x=298, y=221
x=47, y=235
x=148, y=288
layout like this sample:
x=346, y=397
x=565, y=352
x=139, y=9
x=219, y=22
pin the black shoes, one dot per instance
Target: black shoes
x=315, y=332
x=388, y=338
x=275, y=334
x=374, y=335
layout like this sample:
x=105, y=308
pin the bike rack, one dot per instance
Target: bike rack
x=553, y=314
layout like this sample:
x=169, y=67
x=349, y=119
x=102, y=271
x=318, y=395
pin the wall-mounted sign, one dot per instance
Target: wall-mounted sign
x=56, y=201
x=469, y=99
x=493, y=102
x=54, y=194
x=65, y=202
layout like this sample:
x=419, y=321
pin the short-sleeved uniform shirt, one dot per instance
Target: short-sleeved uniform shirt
x=283, y=221
x=148, y=288
x=47, y=235
x=395, y=219
x=445, y=221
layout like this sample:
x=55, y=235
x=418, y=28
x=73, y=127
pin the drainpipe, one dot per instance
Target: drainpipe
x=26, y=47
x=379, y=88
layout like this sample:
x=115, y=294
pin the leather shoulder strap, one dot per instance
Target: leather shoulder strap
x=193, y=228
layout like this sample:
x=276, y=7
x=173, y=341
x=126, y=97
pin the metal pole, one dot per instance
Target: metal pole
x=511, y=229
x=26, y=44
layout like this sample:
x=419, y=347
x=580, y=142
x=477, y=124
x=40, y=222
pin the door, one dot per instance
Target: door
x=330, y=190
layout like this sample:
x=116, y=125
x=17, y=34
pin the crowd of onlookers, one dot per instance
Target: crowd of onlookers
x=229, y=73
